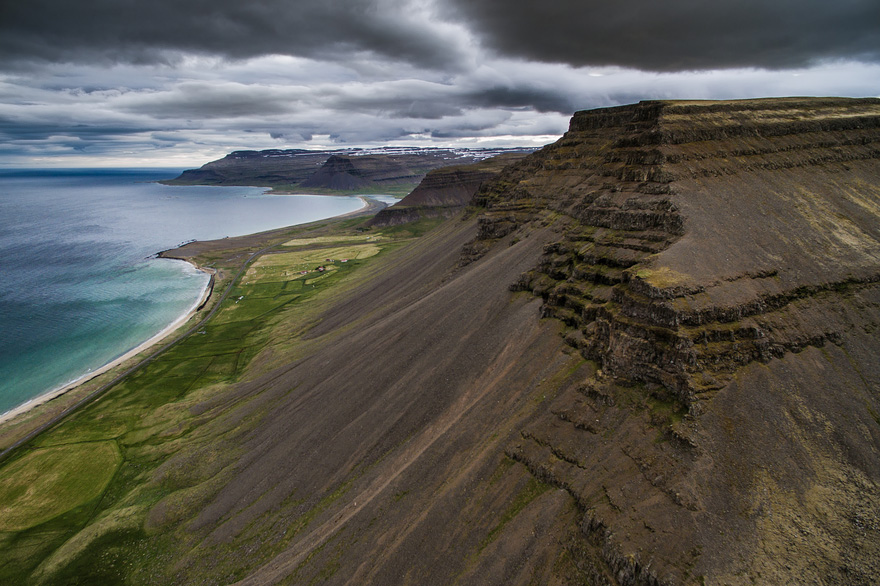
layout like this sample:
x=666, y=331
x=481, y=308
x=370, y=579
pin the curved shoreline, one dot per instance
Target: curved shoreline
x=90, y=375
x=369, y=206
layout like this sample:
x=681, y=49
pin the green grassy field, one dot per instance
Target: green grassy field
x=42, y=484
x=99, y=497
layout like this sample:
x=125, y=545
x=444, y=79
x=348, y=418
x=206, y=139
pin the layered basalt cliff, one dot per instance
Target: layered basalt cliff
x=444, y=192
x=720, y=261
x=622, y=177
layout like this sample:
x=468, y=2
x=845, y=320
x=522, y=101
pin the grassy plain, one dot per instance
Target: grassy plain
x=43, y=484
x=94, y=499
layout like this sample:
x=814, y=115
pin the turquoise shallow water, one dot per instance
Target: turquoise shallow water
x=79, y=285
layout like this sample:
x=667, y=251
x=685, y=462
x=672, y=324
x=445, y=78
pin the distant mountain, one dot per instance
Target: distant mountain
x=387, y=169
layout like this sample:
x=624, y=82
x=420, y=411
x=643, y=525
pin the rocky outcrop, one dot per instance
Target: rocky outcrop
x=444, y=192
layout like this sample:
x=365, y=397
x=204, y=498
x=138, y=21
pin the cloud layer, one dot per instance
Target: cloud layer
x=677, y=35
x=179, y=82
x=152, y=32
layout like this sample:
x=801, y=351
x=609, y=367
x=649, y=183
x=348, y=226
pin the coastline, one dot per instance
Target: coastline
x=369, y=206
x=155, y=339
x=368, y=202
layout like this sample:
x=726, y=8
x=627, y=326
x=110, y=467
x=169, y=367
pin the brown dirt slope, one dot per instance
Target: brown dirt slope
x=390, y=435
x=703, y=409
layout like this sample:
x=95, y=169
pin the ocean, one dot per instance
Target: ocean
x=79, y=283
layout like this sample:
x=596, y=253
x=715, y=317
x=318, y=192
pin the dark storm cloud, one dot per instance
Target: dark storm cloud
x=12, y=130
x=676, y=35
x=538, y=99
x=142, y=31
x=668, y=35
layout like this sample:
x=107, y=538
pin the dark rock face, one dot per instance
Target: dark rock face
x=443, y=192
x=721, y=262
x=260, y=168
x=448, y=187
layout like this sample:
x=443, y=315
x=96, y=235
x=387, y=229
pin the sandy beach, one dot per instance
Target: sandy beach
x=369, y=206
x=159, y=337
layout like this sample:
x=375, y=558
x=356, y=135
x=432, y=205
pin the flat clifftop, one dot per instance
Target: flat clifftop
x=773, y=114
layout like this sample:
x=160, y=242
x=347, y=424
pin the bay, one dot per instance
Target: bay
x=79, y=283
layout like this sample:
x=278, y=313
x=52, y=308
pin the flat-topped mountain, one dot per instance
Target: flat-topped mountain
x=643, y=355
x=391, y=169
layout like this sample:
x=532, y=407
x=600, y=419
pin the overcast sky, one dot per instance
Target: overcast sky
x=181, y=82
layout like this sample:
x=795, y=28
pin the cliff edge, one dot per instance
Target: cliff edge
x=444, y=192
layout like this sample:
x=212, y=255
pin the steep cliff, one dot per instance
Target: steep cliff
x=445, y=191
x=702, y=408
x=721, y=263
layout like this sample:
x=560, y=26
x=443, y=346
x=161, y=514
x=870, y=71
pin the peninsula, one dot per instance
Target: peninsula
x=387, y=170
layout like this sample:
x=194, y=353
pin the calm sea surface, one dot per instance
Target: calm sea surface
x=78, y=284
